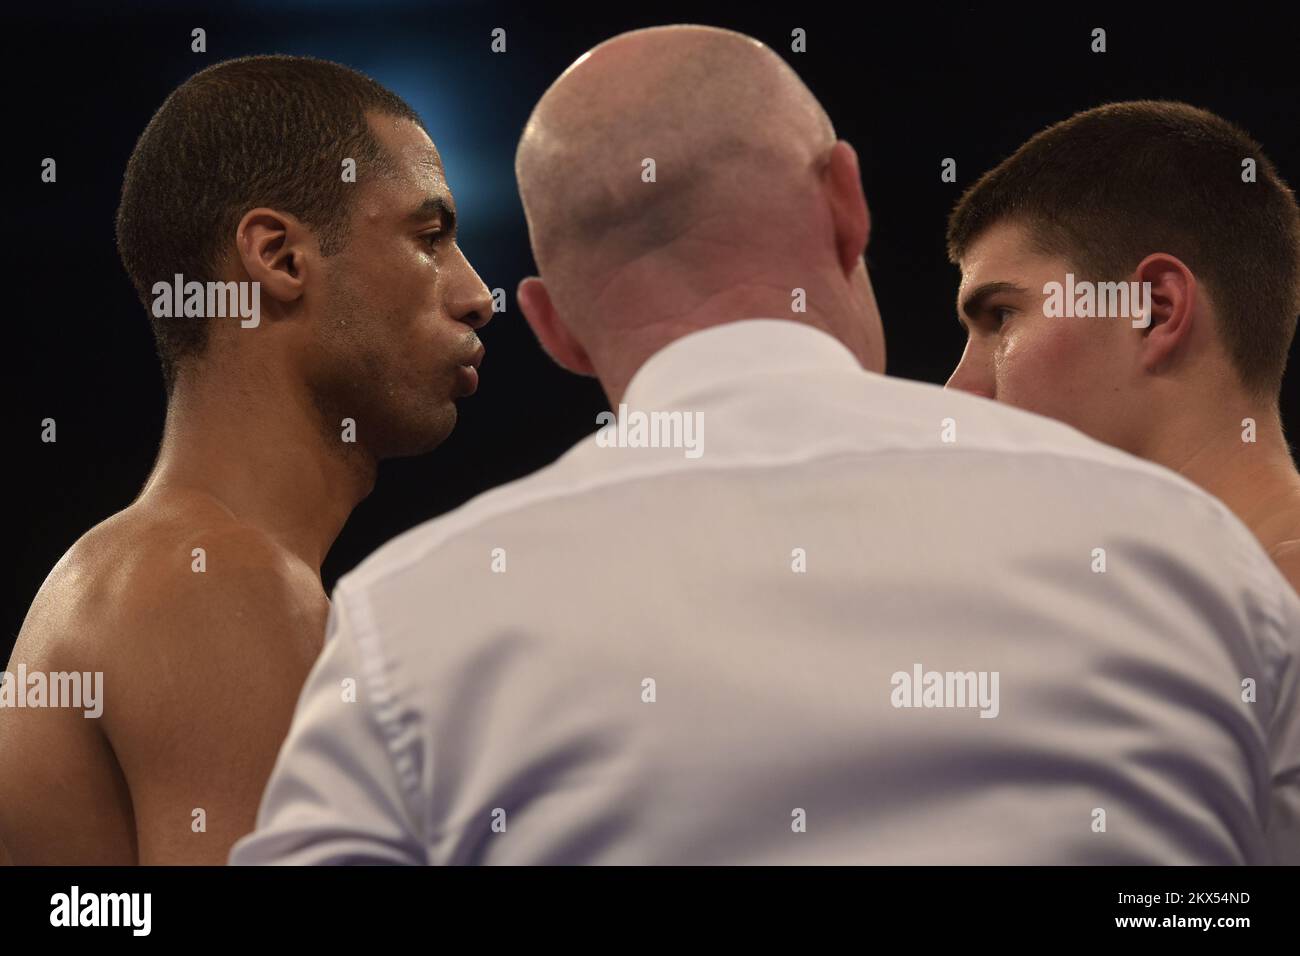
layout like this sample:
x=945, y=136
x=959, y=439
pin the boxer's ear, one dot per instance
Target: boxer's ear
x=557, y=341
x=848, y=205
x=1166, y=317
x=273, y=247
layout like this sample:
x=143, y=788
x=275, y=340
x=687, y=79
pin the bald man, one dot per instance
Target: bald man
x=1220, y=253
x=767, y=613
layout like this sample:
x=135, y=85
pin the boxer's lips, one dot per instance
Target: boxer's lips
x=467, y=372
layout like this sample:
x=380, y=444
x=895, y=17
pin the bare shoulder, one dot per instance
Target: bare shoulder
x=172, y=569
x=1280, y=536
x=203, y=630
x=189, y=613
x=1287, y=558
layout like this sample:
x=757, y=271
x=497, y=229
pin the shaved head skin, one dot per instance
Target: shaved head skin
x=681, y=177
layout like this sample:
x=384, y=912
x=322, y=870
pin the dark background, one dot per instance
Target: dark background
x=907, y=86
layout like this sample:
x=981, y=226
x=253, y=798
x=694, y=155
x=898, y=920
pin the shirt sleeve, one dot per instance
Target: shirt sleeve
x=335, y=796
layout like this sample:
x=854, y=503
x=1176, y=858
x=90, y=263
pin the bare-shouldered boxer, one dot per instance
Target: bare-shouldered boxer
x=201, y=603
x=1143, y=192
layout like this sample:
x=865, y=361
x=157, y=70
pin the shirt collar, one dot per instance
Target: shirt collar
x=734, y=350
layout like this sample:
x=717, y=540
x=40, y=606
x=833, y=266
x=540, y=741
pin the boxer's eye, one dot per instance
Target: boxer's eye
x=1000, y=314
x=431, y=238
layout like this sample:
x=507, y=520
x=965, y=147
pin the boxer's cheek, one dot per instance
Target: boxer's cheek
x=1043, y=366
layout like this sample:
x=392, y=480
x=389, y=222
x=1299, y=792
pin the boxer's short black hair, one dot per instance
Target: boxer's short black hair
x=255, y=131
x=1109, y=186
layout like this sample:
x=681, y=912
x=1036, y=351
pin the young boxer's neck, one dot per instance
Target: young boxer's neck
x=1245, y=462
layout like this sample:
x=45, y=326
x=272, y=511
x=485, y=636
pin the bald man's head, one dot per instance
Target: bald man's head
x=690, y=151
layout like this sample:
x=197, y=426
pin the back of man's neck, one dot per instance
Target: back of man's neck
x=1250, y=471
x=267, y=460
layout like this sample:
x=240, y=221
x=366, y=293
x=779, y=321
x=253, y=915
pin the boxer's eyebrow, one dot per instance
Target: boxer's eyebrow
x=436, y=207
x=972, y=304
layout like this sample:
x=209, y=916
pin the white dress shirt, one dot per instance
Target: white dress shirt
x=759, y=653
